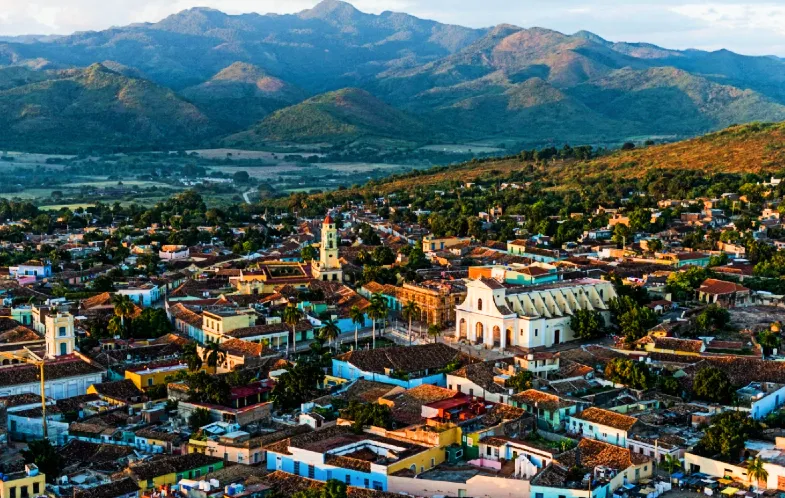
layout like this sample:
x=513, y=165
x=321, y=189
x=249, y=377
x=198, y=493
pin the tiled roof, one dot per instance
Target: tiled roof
x=674, y=344
x=288, y=484
x=607, y=418
x=57, y=369
x=595, y=453
x=402, y=359
x=720, y=287
x=19, y=334
x=112, y=489
x=271, y=328
x=246, y=349
x=171, y=465
x=481, y=374
x=123, y=390
x=181, y=312
x=546, y=401
x=407, y=406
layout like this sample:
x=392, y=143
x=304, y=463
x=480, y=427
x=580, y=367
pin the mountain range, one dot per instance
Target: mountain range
x=334, y=74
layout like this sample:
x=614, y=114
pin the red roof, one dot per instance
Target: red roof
x=328, y=220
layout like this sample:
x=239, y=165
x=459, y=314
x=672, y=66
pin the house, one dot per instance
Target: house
x=723, y=293
x=539, y=363
x=362, y=460
x=771, y=454
x=173, y=252
x=33, y=268
x=682, y=259
x=499, y=315
x=432, y=244
x=217, y=322
x=602, y=425
x=406, y=367
x=154, y=374
x=551, y=411
x=607, y=467
x=118, y=393
x=517, y=274
x=524, y=249
x=761, y=398
x=171, y=470
x=186, y=321
x=485, y=380
x=66, y=377
x=121, y=488
x=672, y=345
x=24, y=483
x=144, y=294
x=239, y=446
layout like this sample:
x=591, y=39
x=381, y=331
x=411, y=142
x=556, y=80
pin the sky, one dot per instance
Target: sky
x=751, y=27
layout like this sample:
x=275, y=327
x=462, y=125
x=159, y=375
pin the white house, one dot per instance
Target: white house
x=65, y=377
x=602, y=425
x=499, y=315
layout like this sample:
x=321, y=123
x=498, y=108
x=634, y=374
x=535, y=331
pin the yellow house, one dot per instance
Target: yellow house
x=28, y=482
x=168, y=471
x=149, y=376
x=672, y=345
x=118, y=393
x=217, y=323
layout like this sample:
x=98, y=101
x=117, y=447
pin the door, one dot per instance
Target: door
x=278, y=465
x=556, y=337
x=63, y=349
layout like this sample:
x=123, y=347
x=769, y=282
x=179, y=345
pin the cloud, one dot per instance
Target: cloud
x=752, y=27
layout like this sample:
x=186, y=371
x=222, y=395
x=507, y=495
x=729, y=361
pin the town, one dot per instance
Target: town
x=377, y=346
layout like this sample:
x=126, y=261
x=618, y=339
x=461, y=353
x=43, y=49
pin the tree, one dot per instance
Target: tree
x=409, y=310
x=214, y=355
x=192, y=357
x=434, y=331
x=308, y=253
x=633, y=374
x=587, y=324
x=358, y=318
x=683, y=283
x=712, y=384
x=756, y=472
x=769, y=341
x=521, y=381
x=376, y=311
x=44, y=455
x=299, y=383
x=291, y=316
x=199, y=418
x=151, y=323
x=634, y=321
x=123, y=307
x=368, y=414
x=329, y=331
x=712, y=318
x=727, y=434
x=241, y=177
x=671, y=464
x=654, y=245
x=103, y=283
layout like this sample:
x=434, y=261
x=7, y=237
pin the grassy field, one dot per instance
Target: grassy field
x=462, y=149
x=114, y=183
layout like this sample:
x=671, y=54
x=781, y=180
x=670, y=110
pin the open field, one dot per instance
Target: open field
x=462, y=149
x=116, y=183
x=247, y=154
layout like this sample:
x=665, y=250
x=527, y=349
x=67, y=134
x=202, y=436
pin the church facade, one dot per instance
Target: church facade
x=501, y=316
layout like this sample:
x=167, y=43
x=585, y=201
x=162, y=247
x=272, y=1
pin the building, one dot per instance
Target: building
x=406, y=367
x=66, y=377
x=433, y=244
x=499, y=315
x=272, y=274
x=239, y=446
x=772, y=455
x=167, y=471
x=217, y=323
x=23, y=484
x=602, y=425
x=517, y=274
x=32, y=268
x=723, y=293
x=551, y=411
x=144, y=294
x=154, y=374
x=328, y=267
x=526, y=250
x=173, y=253
x=436, y=300
x=485, y=380
x=60, y=338
x=592, y=469
x=361, y=460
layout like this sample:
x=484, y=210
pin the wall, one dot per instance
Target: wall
x=476, y=487
x=768, y=403
x=56, y=389
x=717, y=468
x=345, y=370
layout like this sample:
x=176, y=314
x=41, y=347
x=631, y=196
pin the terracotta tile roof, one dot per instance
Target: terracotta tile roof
x=246, y=349
x=674, y=344
x=591, y=453
x=181, y=312
x=20, y=334
x=82, y=455
x=546, y=401
x=7, y=323
x=481, y=374
x=122, y=390
x=70, y=366
x=410, y=359
x=720, y=287
x=112, y=489
x=607, y=418
x=407, y=406
x=103, y=299
x=171, y=465
x=270, y=328
x=20, y=400
x=289, y=484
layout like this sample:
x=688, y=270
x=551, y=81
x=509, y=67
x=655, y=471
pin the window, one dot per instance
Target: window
x=366, y=483
x=488, y=450
x=539, y=495
x=536, y=332
x=479, y=305
x=149, y=382
x=296, y=468
x=377, y=486
x=62, y=332
x=197, y=473
x=36, y=488
x=311, y=472
x=210, y=469
x=347, y=479
x=471, y=391
x=12, y=492
x=433, y=462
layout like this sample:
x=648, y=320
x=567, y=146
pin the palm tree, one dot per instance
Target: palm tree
x=192, y=357
x=409, y=310
x=756, y=471
x=329, y=332
x=214, y=355
x=671, y=465
x=123, y=307
x=434, y=331
x=291, y=317
x=377, y=310
x=358, y=318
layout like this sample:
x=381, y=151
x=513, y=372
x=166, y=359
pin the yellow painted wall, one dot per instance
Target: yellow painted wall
x=140, y=379
x=421, y=460
x=19, y=484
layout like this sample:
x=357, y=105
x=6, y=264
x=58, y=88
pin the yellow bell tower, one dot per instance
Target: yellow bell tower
x=329, y=266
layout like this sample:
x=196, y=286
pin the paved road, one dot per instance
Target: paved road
x=248, y=199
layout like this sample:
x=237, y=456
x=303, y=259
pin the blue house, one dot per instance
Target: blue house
x=406, y=367
x=32, y=268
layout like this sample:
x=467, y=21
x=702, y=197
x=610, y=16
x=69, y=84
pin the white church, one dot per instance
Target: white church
x=501, y=316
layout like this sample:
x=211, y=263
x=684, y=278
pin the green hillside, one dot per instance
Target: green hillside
x=96, y=107
x=341, y=116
